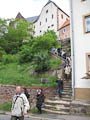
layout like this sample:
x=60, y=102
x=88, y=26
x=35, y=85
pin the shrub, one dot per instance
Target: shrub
x=6, y=106
x=25, y=54
x=9, y=59
x=42, y=62
x=55, y=63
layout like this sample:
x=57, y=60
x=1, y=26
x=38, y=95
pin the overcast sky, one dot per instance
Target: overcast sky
x=28, y=8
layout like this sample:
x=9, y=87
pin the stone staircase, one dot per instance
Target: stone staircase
x=60, y=106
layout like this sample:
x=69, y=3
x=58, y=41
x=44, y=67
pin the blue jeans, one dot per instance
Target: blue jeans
x=60, y=92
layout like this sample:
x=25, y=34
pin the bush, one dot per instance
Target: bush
x=25, y=54
x=55, y=63
x=6, y=106
x=42, y=62
x=9, y=59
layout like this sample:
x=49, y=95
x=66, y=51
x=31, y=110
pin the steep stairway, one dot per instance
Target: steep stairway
x=60, y=106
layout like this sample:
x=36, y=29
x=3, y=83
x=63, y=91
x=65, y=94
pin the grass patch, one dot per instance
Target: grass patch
x=34, y=110
x=14, y=74
x=6, y=106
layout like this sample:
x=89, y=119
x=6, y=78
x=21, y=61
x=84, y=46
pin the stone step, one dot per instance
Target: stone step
x=57, y=108
x=67, y=88
x=56, y=112
x=58, y=102
x=65, y=98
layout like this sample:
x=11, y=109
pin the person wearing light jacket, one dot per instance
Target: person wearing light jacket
x=20, y=105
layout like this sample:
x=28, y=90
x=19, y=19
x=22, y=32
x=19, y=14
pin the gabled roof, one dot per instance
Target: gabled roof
x=56, y=6
x=66, y=23
x=49, y=1
x=19, y=16
x=32, y=19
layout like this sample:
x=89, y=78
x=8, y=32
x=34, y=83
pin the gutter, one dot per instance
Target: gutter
x=72, y=50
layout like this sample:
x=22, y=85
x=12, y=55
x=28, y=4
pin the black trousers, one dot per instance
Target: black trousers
x=39, y=108
x=17, y=118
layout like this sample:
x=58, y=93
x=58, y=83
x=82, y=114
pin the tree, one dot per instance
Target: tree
x=45, y=42
x=19, y=31
x=42, y=61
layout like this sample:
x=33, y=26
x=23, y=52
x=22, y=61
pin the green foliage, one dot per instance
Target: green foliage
x=18, y=32
x=69, y=49
x=3, y=27
x=25, y=55
x=34, y=110
x=45, y=42
x=55, y=63
x=9, y=59
x=42, y=61
x=6, y=106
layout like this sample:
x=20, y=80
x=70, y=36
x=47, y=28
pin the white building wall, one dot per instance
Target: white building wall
x=81, y=42
x=62, y=21
x=52, y=9
x=57, y=21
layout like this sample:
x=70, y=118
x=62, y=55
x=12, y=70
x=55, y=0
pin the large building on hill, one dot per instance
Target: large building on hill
x=50, y=18
x=81, y=49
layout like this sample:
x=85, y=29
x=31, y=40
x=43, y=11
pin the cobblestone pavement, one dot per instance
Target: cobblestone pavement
x=49, y=117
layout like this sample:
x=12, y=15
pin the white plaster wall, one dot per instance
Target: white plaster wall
x=52, y=9
x=62, y=21
x=81, y=42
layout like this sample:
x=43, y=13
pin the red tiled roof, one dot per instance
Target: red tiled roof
x=19, y=16
x=67, y=22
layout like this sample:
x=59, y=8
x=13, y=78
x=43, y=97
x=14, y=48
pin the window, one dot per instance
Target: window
x=52, y=25
x=62, y=16
x=64, y=30
x=83, y=0
x=88, y=62
x=86, y=22
x=40, y=23
x=40, y=31
x=66, y=37
x=52, y=16
x=48, y=26
x=66, y=19
x=46, y=11
x=46, y=19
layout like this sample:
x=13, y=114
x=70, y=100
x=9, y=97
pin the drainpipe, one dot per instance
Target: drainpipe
x=72, y=50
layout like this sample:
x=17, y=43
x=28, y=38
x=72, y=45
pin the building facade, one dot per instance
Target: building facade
x=80, y=49
x=50, y=18
x=64, y=31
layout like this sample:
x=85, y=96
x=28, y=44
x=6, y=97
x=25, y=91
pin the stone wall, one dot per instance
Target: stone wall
x=7, y=92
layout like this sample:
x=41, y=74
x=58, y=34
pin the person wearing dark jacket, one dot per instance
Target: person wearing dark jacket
x=26, y=93
x=60, y=86
x=40, y=100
